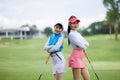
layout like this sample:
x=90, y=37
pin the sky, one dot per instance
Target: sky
x=45, y=13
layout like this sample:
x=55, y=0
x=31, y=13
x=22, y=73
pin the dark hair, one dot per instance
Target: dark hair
x=72, y=17
x=68, y=30
x=60, y=25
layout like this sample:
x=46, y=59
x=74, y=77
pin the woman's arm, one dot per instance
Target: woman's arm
x=46, y=47
x=57, y=46
x=79, y=41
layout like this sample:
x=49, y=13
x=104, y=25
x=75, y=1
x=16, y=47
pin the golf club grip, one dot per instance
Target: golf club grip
x=47, y=59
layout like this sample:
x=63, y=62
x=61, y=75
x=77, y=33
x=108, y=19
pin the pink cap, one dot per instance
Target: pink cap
x=74, y=19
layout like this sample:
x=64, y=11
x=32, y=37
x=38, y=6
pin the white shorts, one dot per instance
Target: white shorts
x=58, y=66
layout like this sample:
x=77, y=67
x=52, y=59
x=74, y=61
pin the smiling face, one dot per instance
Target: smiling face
x=74, y=25
x=57, y=29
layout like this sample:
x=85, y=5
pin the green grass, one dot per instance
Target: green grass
x=23, y=59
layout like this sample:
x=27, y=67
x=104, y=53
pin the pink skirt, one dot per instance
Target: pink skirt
x=76, y=59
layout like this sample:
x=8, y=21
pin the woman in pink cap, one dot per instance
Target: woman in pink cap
x=79, y=45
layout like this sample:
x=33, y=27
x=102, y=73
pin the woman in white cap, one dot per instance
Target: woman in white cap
x=79, y=45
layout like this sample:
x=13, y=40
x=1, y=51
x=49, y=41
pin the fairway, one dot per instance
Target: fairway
x=23, y=59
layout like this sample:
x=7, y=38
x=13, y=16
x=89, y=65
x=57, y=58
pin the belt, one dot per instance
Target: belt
x=55, y=54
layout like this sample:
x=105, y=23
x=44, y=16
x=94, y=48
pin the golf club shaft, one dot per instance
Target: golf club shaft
x=44, y=66
x=94, y=72
x=40, y=77
x=91, y=65
x=47, y=59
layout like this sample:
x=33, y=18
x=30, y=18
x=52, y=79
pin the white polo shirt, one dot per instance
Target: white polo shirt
x=77, y=41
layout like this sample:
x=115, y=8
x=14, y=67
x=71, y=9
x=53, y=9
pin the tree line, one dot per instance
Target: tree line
x=109, y=26
x=112, y=22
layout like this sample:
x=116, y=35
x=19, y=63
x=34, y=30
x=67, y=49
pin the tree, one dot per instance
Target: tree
x=109, y=21
x=48, y=31
x=33, y=30
x=99, y=27
x=33, y=26
x=113, y=14
x=25, y=25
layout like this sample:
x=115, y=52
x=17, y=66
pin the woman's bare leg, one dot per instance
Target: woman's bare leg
x=58, y=76
x=85, y=74
x=76, y=73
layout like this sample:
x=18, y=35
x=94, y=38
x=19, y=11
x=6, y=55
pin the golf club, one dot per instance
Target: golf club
x=91, y=65
x=43, y=68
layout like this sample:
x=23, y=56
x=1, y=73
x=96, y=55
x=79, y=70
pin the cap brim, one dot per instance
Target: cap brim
x=74, y=20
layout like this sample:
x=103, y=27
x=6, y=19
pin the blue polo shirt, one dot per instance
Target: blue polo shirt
x=53, y=40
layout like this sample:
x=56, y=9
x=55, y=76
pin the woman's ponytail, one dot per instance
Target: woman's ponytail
x=68, y=31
